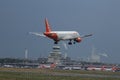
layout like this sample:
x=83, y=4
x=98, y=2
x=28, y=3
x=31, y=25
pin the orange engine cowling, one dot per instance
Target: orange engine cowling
x=78, y=39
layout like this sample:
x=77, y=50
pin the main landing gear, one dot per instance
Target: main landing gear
x=56, y=42
x=70, y=42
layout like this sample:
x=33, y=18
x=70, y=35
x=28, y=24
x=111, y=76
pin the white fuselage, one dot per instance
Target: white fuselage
x=66, y=35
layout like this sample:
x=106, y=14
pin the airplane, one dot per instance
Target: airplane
x=61, y=35
x=102, y=68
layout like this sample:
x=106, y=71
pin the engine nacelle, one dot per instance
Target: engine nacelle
x=78, y=39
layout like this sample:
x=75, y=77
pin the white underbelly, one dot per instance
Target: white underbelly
x=67, y=36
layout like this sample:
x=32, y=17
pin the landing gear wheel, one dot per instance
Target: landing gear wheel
x=70, y=43
x=55, y=42
x=74, y=42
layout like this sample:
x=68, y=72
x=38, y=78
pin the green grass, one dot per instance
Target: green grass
x=88, y=72
x=36, y=74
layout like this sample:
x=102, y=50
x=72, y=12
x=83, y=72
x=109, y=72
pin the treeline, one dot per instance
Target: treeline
x=41, y=61
x=14, y=60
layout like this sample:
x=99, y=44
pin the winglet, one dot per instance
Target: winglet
x=47, y=25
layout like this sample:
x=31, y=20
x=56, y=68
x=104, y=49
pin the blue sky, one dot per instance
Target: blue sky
x=100, y=17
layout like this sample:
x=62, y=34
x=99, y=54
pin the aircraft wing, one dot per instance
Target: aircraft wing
x=37, y=34
x=86, y=35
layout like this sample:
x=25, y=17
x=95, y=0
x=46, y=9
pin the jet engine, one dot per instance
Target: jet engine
x=78, y=39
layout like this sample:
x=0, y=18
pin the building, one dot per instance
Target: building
x=55, y=56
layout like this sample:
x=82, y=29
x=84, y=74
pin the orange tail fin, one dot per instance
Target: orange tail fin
x=47, y=25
